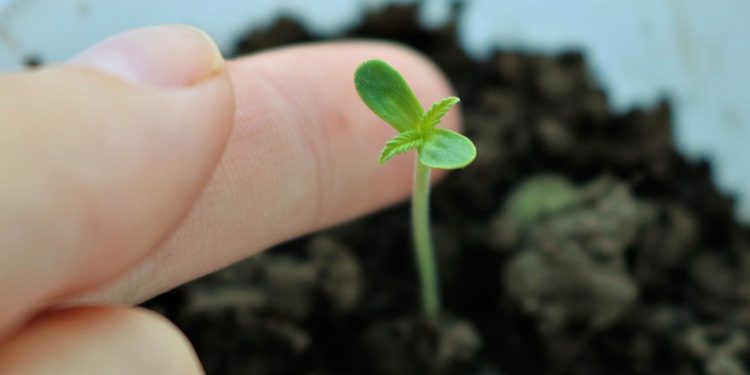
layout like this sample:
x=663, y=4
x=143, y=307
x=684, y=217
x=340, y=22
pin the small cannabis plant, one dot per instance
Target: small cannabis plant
x=386, y=93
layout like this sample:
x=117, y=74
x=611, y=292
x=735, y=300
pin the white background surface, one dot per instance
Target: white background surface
x=696, y=52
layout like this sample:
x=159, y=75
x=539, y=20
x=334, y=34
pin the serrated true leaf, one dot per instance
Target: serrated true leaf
x=399, y=144
x=446, y=149
x=433, y=116
x=387, y=94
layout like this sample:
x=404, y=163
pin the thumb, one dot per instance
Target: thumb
x=102, y=158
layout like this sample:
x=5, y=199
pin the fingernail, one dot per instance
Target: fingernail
x=169, y=56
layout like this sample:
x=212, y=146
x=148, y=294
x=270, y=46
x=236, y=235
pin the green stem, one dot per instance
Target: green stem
x=424, y=254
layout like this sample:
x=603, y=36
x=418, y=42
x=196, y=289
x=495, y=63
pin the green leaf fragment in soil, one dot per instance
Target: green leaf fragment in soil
x=539, y=197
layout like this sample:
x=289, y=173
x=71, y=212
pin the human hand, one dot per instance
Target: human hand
x=148, y=161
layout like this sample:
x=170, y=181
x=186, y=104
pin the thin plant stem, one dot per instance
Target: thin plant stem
x=424, y=254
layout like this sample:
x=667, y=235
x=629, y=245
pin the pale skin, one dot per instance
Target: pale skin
x=149, y=161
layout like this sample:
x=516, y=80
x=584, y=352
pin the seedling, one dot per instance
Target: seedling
x=387, y=94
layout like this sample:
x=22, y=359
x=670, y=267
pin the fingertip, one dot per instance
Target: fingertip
x=99, y=340
x=303, y=155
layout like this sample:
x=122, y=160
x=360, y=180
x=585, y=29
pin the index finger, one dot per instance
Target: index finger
x=303, y=156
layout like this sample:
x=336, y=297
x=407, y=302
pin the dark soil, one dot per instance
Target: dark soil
x=579, y=242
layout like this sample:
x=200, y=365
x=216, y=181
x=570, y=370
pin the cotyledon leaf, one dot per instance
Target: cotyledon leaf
x=399, y=144
x=387, y=94
x=446, y=149
x=433, y=115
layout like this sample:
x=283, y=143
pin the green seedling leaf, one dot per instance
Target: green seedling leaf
x=432, y=117
x=386, y=93
x=446, y=149
x=399, y=144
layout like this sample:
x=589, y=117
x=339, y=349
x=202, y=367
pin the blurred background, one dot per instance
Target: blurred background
x=693, y=52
